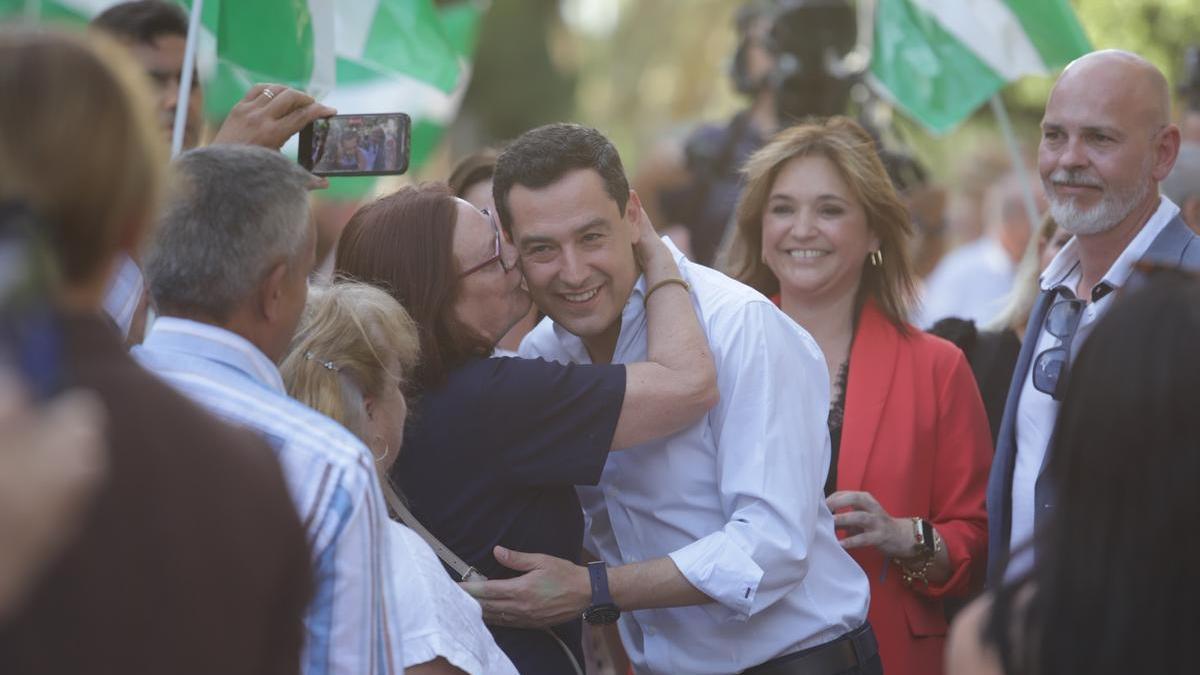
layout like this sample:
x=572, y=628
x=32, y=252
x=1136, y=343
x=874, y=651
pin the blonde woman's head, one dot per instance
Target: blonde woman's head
x=871, y=221
x=351, y=357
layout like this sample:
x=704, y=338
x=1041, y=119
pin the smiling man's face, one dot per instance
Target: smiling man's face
x=577, y=254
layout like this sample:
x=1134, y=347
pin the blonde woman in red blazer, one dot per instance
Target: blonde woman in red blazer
x=821, y=229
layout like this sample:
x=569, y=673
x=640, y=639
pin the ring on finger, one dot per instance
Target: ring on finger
x=268, y=93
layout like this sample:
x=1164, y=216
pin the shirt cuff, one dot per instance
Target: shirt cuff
x=722, y=571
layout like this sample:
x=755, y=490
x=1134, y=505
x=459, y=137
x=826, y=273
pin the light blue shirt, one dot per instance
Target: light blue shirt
x=736, y=500
x=352, y=627
x=124, y=294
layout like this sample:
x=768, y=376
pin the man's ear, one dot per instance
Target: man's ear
x=270, y=292
x=1166, y=152
x=634, y=213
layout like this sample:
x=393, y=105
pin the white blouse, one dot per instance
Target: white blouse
x=437, y=617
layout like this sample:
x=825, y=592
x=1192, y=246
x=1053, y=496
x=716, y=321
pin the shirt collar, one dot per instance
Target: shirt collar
x=633, y=314
x=1066, y=263
x=215, y=344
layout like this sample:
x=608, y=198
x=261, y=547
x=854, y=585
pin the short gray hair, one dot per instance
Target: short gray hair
x=1184, y=180
x=233, y=212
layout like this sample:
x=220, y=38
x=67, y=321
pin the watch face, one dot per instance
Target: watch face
x=601, y=615
x=927, y=535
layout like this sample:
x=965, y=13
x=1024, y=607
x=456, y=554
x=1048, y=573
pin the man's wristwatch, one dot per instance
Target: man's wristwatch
x=602, y=611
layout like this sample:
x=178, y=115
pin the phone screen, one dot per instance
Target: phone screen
x=356, y=145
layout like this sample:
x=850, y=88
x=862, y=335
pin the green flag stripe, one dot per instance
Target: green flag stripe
x=921, y=67
x=1053, y=29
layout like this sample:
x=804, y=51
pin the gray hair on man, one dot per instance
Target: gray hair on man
x=233, y=213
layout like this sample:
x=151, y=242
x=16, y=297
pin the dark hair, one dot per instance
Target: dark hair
x=143, y=21
x=404, y=244
x=1115, y=586
x=541, y=156
x=474, y=168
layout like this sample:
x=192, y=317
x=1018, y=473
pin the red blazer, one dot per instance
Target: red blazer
x=915, y=435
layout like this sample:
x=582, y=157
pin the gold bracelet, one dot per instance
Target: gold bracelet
x=910, y=575
x=664, y=282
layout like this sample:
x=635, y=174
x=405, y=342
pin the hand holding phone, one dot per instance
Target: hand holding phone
x=268, y=115
x=356, y=145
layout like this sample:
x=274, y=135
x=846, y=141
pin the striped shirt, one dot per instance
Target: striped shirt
x=124, y=293
x=351, y=623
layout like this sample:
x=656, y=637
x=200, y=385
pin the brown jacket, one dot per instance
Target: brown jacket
x=191, y=560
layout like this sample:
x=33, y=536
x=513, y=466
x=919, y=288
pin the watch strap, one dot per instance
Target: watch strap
x=598, y=573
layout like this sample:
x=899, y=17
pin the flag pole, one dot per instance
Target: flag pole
x=185, y=78
x=1010, y=139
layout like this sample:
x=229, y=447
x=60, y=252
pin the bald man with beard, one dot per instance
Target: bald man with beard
x=1107, y=141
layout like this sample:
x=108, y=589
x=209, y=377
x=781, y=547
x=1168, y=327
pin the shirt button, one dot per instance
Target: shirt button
x=651, y=631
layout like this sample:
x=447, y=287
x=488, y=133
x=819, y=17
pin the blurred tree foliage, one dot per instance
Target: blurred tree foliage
x=662, y=67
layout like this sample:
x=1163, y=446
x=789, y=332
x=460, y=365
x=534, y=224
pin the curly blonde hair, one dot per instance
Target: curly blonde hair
x=341, y=350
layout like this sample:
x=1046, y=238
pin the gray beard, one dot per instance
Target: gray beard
x=1102, y=217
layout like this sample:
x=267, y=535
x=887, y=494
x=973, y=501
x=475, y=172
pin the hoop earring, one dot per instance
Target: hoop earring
x=387, y=450
x=876, y=258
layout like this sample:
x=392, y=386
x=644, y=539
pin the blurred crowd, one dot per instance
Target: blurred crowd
x=775, y=404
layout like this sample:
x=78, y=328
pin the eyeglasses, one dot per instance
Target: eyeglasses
x=1049, y=367
x=498, y=255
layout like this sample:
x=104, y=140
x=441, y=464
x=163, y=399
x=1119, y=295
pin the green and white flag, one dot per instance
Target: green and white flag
x=939, y=60
x=359, y=56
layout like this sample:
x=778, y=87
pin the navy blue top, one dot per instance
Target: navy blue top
x=492, y=457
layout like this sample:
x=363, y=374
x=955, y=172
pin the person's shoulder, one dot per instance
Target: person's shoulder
x=163, y=428
x=719, y=294
x=542, y=342
x=312, y=431
x=414, y=558
x=966, y=651
x=941, y=355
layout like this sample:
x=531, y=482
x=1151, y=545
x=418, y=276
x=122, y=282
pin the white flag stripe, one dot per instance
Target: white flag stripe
x=353, y=26
x=990, y=30
x=324, y=70
x=421, y=100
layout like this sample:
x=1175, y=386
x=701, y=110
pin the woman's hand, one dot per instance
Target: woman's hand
x=870, y=525
x=649, y=248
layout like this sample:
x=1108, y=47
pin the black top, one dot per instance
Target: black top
x=993, y=358
x=491, y=457
x=837, y=413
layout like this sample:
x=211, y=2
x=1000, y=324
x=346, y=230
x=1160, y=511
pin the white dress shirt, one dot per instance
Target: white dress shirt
x=971, y=282
x=353, y=623
x=1037, y=412
x=736, y=500
x=439, y=618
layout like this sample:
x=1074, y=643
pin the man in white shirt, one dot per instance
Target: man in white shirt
x=1107, y=142
x=973, y=281
x=716, y=542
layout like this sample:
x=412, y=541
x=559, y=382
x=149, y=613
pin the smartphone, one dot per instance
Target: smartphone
x=30, y=334
x=356, y=145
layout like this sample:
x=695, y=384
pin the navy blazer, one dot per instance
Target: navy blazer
x=1175, y=246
